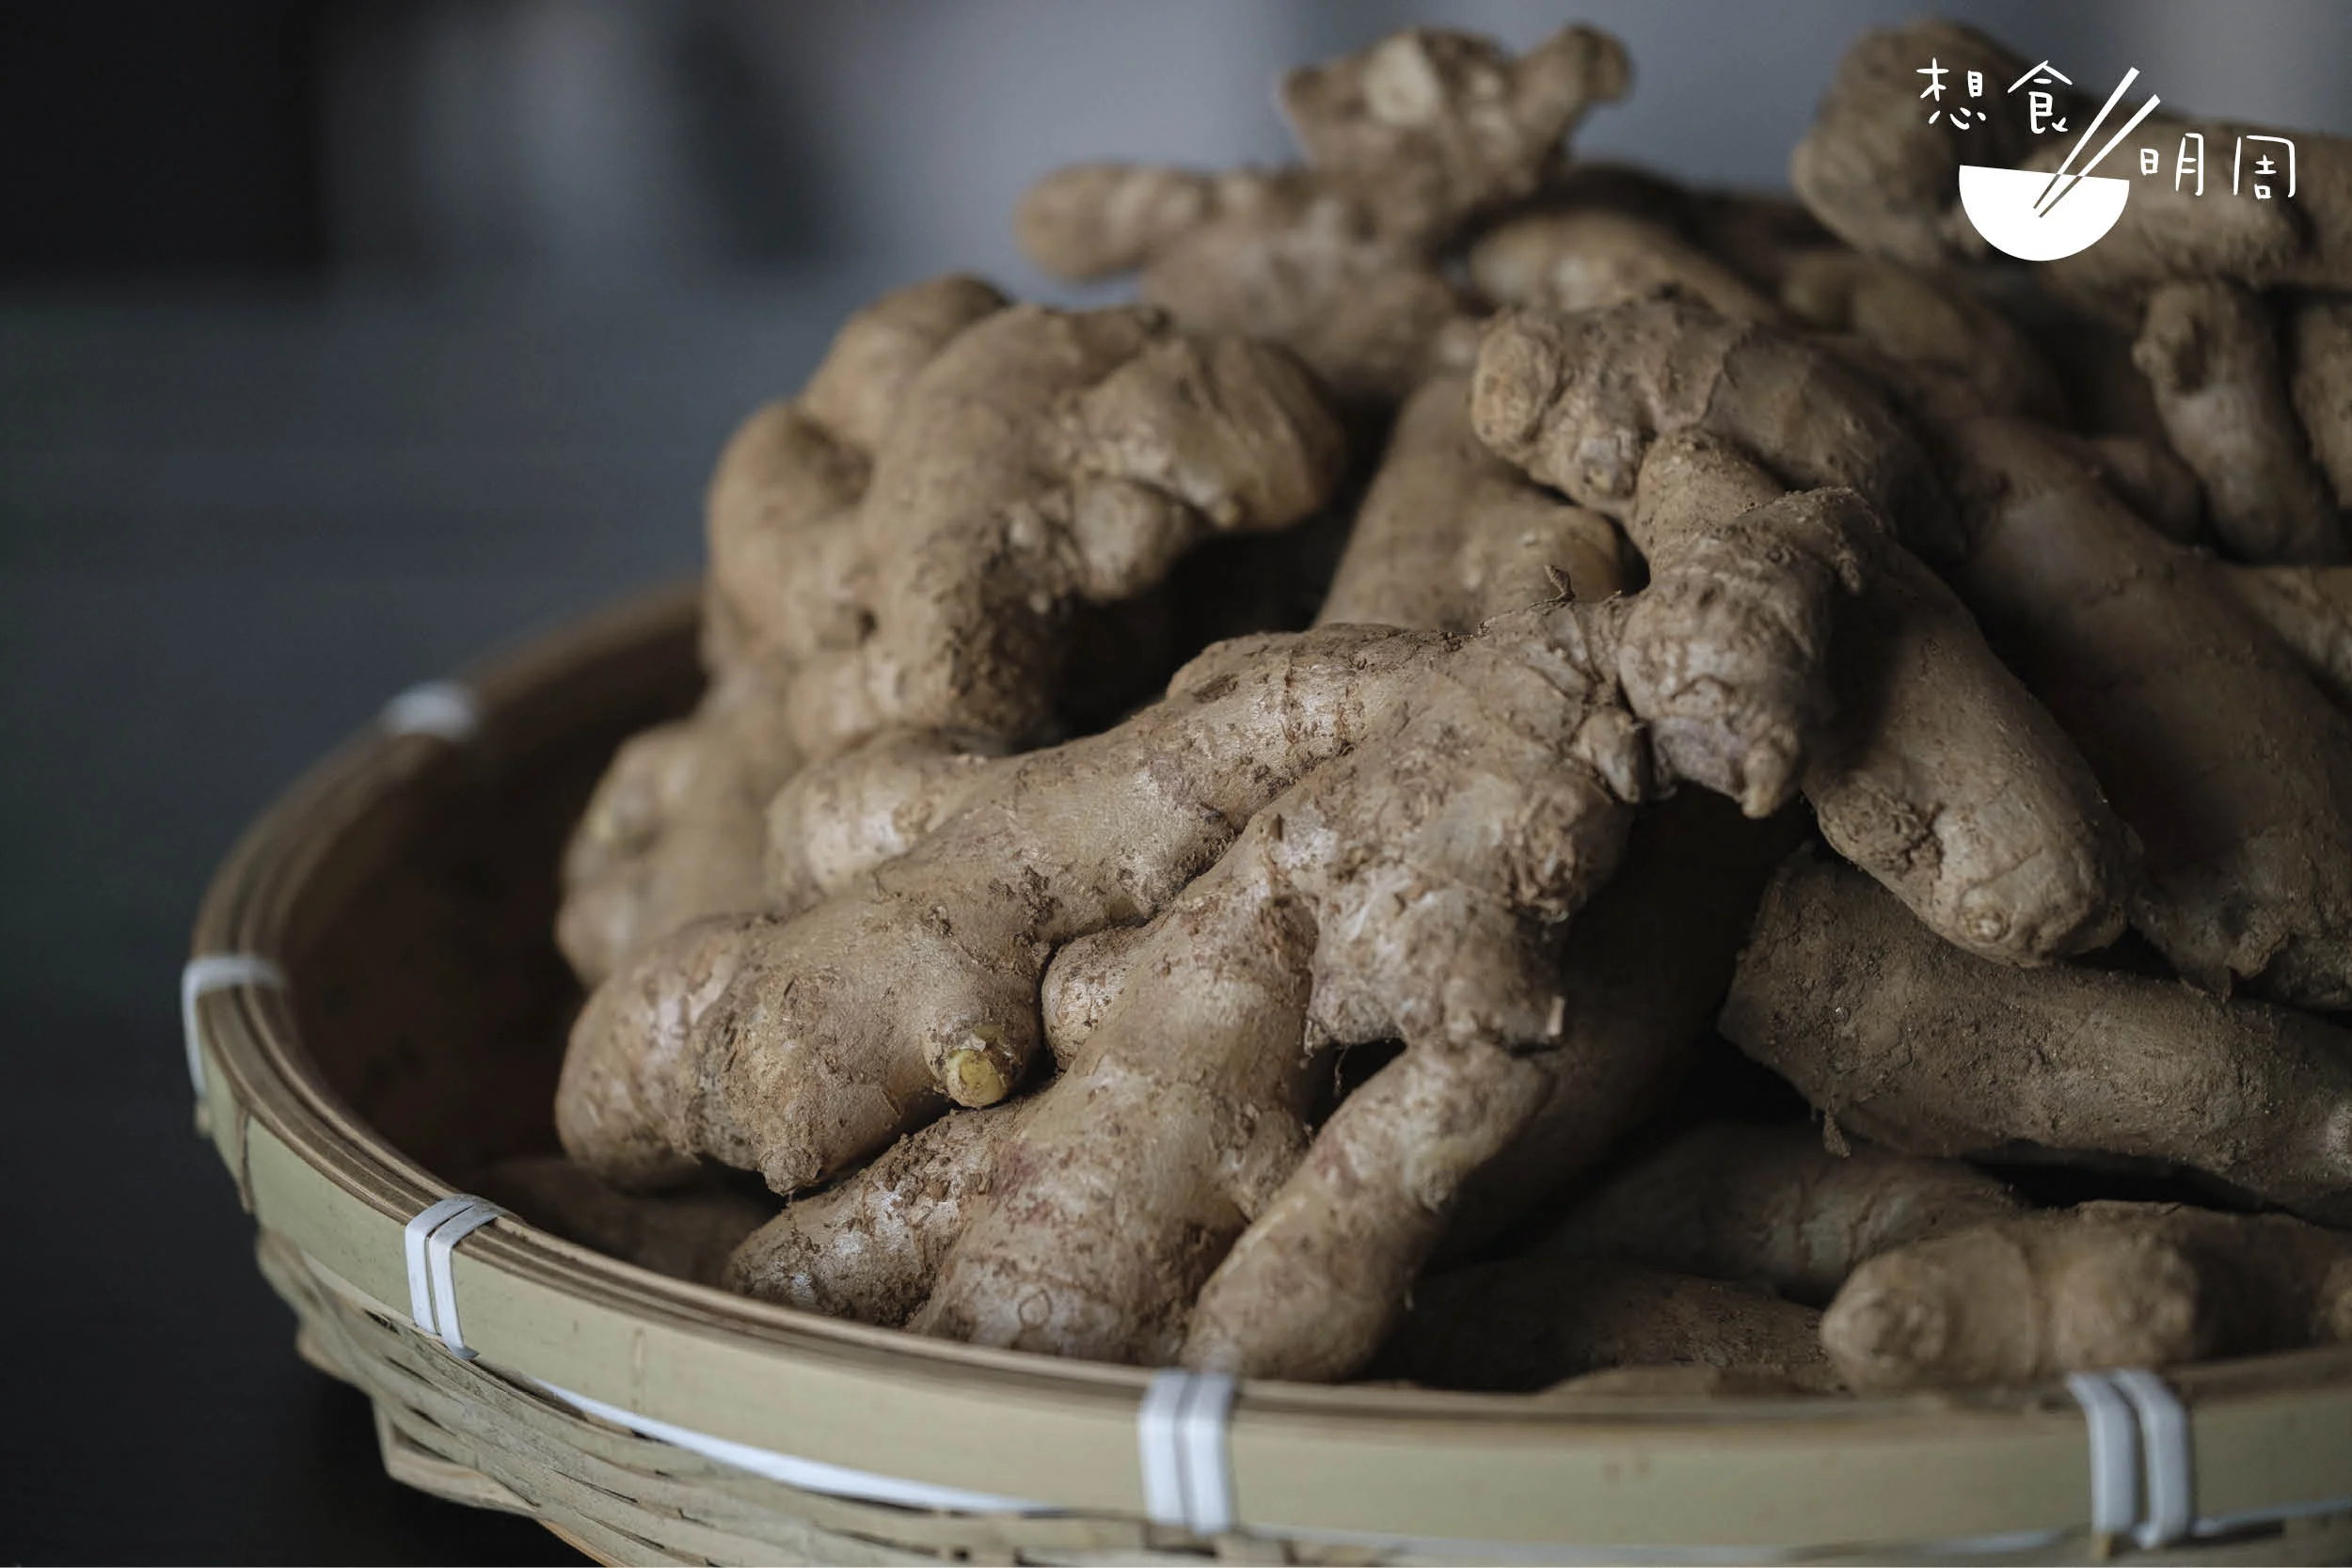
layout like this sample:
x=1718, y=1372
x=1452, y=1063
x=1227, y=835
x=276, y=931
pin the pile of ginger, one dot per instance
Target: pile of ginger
x=1756, y=650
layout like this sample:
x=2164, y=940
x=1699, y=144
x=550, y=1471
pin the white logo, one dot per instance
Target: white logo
x=2038, y=216
x=2028, y=215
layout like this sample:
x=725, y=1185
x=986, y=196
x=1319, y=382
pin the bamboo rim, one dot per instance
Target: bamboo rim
x=1513, y=1473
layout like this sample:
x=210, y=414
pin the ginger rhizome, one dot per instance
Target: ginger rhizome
x=1727, y=649
x=904, y=546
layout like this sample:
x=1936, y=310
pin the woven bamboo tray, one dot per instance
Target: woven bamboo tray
x=408, y=1029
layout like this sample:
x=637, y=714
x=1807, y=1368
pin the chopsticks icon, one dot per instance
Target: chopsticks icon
x=2045, y=202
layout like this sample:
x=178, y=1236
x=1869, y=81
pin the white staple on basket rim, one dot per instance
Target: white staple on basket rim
x=1182, y=1439
x=205, y=974
x=440, y=708
x=430, y=1244
x=2143, y=1477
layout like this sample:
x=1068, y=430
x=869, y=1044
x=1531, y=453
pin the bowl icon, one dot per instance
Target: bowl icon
x=2000, y=202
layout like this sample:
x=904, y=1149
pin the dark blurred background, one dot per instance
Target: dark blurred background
x=338, y=342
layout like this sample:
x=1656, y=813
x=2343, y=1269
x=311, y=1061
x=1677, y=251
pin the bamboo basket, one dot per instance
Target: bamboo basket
x=411, y=1031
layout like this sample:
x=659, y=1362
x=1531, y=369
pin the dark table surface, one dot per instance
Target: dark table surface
x=228, y=532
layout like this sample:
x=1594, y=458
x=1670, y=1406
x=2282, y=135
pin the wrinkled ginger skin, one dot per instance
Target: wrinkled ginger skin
x=1428, y=128
x=1315, y=1283
x=839, y=818
x=1918, y=318
x=1586, y=259
x=1041, y=458
x=2034, y=1297
x=1912, y=1043
x=1522, y=1324
x=1770, y=1206
x=1450, y=534
x=1406, y=890
x=1941, y=775
x=1725, y=652
x=2210, y=351
x=2308, y=608
x=1946, y=780
x=1338, y=260
x=1576, y=400
x=1080, y=985
x=2233, y=769
x=865, y=1248
x=797, y=1046
x=672, y=834
x=2320, y=352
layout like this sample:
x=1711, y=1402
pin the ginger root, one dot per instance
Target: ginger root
x=903, y=545
x=1338, y=259
x=1450, y=534
x=2308, y=608
x=2235, y=770
x=2035, y=1296
x=1770, y=1206
x=2210, y=348
x=1916, y=1045
x=1529, y=1323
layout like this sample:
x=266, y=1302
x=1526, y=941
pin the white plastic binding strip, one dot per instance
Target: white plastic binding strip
x=809, y=1475
x=429, y=1241
x=442, y=708
x=1180, y=1438
x=210, y=972
x=2114, y=1453
x=2164, y=1444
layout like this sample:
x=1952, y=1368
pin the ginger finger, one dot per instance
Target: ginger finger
x=1428, y=128
x=2307, y=608
x=1725, y=652
x=2210, y=350
x=1338, y=260
x=1041, y=458
x=1315, y=1283
x=2235, y=770
x=1082, y=983
x=1941, y=776
x=861, y=1017
x=866, y=1249
x=1921, y=319
x=1643, y=972
x=839, y=818
x=1770, y=1206
x=1589, y=258
x=1575, y=401
x=1914, y=1044
x=1450, y=534
x=2320, y=352
x=2034, y=1297
x=1527, y=1322
x=1403, y=889
x=1946, y=780
x=2158, y=486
